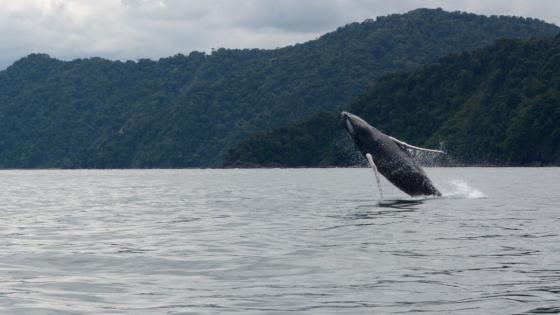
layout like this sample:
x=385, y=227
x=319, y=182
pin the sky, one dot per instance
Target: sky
x=133, y=29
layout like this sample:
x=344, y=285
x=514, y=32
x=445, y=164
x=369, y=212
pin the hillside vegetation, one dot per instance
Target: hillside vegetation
x=497, y=105
x=190, y=110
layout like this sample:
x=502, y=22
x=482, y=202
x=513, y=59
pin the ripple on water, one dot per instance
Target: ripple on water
x=277, y=241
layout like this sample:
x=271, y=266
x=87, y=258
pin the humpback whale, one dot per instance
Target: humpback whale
x=390, y=156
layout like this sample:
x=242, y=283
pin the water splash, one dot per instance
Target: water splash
x=462, y=189
x=374, y=168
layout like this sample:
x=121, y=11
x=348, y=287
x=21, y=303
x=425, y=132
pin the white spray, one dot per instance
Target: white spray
x=463, y=190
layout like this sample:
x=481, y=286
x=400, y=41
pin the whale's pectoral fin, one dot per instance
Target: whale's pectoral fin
x=374, y=168
x=406, y=146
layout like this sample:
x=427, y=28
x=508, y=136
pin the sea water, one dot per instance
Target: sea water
x=279, y=241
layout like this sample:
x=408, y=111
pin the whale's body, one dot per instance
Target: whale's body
x=392, y=159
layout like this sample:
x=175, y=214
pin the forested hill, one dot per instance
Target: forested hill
x=497, y=105
x=188, y=111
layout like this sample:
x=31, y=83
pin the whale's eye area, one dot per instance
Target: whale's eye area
x=350, y=128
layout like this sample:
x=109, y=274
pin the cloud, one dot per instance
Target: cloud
x=132, y=29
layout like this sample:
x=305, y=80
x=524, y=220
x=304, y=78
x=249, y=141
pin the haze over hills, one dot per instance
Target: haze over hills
x=189, y=111
x=497, y=105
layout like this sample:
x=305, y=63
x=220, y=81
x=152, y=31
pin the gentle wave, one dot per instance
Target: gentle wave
x=277, y=242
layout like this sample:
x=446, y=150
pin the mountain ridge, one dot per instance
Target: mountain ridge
x=498, y=105
x=189, y=110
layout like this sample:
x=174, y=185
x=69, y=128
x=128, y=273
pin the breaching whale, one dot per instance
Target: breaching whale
x=390, y=156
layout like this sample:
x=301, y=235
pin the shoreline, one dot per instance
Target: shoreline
x=261, y=168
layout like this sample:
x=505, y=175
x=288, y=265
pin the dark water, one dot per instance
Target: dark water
x=278, y=242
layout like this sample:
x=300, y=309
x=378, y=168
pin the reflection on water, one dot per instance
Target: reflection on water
x=402, y=204
x=276, y=242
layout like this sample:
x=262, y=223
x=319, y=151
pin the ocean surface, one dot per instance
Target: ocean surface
x=278, y=241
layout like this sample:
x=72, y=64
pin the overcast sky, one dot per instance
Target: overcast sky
x=132, y=29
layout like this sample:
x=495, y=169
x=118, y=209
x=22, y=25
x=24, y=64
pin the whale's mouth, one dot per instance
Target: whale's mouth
x=347, y=124
x=349, y=127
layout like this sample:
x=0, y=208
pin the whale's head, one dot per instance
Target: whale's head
x=353, y=124
x=366, y=137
